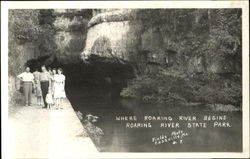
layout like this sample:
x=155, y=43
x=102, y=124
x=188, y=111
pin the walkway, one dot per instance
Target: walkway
x=42, y=133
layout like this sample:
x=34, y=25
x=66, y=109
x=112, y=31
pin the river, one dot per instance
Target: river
x=107, y=105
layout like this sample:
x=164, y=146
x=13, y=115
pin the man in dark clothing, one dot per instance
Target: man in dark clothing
x=45, y=83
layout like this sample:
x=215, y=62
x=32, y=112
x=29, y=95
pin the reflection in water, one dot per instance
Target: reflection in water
x=117, y=138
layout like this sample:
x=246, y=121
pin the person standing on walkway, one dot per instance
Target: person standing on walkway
x=59, y=85
x=28, y=81
x=49, y=99
x=38, y=91
x=50, y=70
x=45, y=83
x=52, y=81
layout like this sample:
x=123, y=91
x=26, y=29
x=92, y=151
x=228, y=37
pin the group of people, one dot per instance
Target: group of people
x=47, y=85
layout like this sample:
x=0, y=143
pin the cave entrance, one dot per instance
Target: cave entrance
x=98, y=75
x=95, y=75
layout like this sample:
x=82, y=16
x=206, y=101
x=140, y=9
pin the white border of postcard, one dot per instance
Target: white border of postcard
x=132, y=4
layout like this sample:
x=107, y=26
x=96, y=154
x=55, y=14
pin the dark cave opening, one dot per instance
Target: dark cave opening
x=96, y=74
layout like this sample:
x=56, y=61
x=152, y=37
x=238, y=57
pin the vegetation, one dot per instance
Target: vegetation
x=72, y=20
x=30, y=35
x=176, y=90
x=23, y=27
x=214, y=35
x=90, y=130
x=28, y=27
x=199, y=30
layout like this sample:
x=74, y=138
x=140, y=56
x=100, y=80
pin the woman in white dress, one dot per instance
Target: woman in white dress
x=59, y=91
x=52, y=87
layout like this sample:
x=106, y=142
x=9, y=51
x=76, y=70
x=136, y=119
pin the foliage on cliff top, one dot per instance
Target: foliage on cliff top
x=174, y=90
x=33, y=27
x=71, y=13
x=77, y=23
x=23, y=28
x=210, y=32
x=24, y=25
x=113, y=16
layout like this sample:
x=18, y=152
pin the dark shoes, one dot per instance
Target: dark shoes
x=44, y=107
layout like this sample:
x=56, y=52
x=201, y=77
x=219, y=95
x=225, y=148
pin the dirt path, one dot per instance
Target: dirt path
x=42, y=133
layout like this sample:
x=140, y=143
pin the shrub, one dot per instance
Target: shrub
x=176, y=90
x=160, y=88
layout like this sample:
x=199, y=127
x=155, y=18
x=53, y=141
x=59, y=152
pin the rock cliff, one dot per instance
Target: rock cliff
x=156, y=36
x=70, y=26
x=112, y=46
x=177, y=55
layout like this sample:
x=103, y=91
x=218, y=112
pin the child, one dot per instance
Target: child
x=38, y=92
x=49, y=99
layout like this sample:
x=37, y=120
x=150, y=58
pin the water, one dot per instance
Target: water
x=107, y=104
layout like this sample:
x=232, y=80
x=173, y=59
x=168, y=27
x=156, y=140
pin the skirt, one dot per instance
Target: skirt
x=59, y=91
x=49, y=100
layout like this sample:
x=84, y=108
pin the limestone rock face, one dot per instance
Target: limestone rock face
x=70, y=34
x=128, y=34
x=113, y=34
x=135, y=35
x=113, y=39
x=65, y=39
x=31, y=51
